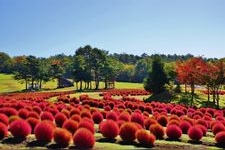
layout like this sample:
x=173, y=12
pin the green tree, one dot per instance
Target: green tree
x=157, y=78
x=5, y=63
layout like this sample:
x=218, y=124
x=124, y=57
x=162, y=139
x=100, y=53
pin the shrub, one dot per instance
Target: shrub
x=32, y=122
x=220, y=138
x=162, y=120
x=184, y=125
x=173, y=122
x=203, y=128
x=218, y=128
x=76, y=117
x=83, y=138
x=157, y=130
x=13, y=118
x=23, y=113
x=144, y=138
x=85, y=113
x=109, y=129
x=138, y=118
x=128, y=131
x=97, y=117
x=62, y=137
x=125, y=116
x=4, y=119
x=60, y=118
x=44, y=131
x=34, y=114
x=47, y=116
x=195, y=133
x=112, y=115
x=148, y=122
x=87, y=125
x=70, y=125
x=3, y=131
x=20, y=129
x=173, y=132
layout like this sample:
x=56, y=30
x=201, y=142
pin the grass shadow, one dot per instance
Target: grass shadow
x=172, y=140
x=12, y=140
x=37, y=143
x=55, y=146
x=127, y=143
x=139, y=145
x=77, y=147
x=194, y=142
x=106, y=140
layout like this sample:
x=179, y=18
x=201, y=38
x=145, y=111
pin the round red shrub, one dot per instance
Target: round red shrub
x=220, y=138
x=173, y=122
x=128, y=131
x=4, y=119
x=162, y=120
x=157, y=130
x=62, y=137
x=83, y=138
x=20, y=128
x=3, y=131
x=60, y=118
x=112, y=115
x=218, y=128
x=13, y=118
x=97, y=117
x=144, y=138
x=34, y=114
x=173, y=132
x=124, y=116
x=47, y=116
x=70, y=125
x=85, y=113
x=138, y=118
x=23, y=113
x=184, y=126
x=37, y=109
x=202, y=122
x=32, y=122
x=195, y=133
x=44, y=131
x=203, y=128
x=87, y=125
x=76, y=117
x=74, y=111
x=109, y=129
x=148, y=122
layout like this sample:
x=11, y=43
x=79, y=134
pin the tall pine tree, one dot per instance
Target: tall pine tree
x=157, y=78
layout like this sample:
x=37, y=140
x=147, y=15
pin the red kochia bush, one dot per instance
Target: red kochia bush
x=47, y=116
x=70, y=125
x=4, y=119
x=173, y=132
x=23, y=113
x=44, y=131
x=97, y=117
x=109, y=129
x=195, y=133
x=83, y=138
x=33, y=122
x=218, y=128
x=128, y=131
x=3, y=131
x=62, y=137
x=87, y=125
x=148, y=122
x=144, y=138
x=138, y=118
x=60, y=118
x=157, y=130
x=112, y=115
x=20, y=128
x=162, y=120
x=184, y=125
x=220, y=138
x=124, y=116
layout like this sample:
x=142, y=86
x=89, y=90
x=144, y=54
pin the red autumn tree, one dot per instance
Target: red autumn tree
x=190, y=73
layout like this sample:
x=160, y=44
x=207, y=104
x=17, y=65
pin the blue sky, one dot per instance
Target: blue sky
x=49, y=27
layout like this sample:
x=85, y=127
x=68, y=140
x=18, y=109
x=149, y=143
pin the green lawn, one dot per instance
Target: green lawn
x=8, y=84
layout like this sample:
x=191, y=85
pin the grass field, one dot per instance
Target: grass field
x=8, y=84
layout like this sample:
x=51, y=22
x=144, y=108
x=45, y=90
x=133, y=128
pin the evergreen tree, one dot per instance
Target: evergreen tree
x=157, y=78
